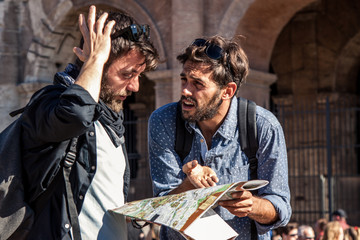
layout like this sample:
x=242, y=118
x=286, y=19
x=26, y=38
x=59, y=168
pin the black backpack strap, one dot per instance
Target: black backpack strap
x=72, y=211
x=248, y=133
x=248, y=141
x=183, y=138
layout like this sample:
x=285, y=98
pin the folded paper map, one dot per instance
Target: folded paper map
x=190, y=212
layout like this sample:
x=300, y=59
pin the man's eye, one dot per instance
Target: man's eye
x=128, y=75
x=199, y=84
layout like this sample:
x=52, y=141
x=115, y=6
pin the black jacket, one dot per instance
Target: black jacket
x=61, y=113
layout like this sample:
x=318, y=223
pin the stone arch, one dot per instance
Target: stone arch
x=260, y=21
x=348, y=67
x=56, y=32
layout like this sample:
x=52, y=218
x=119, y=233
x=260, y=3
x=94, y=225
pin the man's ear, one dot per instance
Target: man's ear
x=229, y=91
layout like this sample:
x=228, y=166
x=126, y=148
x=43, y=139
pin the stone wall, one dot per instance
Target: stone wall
x=38, y=36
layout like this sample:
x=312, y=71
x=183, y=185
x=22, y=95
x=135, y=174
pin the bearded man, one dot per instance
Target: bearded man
x=85, y=103
x=213, y=69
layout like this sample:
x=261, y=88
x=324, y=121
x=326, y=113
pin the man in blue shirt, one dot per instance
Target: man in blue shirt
x=213, y=70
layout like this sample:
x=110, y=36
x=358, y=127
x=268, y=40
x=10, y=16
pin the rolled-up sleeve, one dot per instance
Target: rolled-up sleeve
x=273, y=166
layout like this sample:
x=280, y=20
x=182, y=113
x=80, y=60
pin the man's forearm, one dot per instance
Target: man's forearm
x=90, y=77
x=263, y=211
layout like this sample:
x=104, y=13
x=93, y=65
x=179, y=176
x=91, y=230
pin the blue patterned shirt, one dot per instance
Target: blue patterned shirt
x=226, y=158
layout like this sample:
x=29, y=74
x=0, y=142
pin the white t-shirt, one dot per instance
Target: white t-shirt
x=105, y=192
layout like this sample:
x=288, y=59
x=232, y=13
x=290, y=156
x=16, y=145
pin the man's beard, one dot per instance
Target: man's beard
x=202, y=113
x=108, y=96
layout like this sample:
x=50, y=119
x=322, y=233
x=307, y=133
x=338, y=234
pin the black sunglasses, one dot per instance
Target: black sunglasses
x=213, y=51
x=133, y=32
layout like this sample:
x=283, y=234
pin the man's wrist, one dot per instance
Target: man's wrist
x=95, y=60
x=263, y=211
x=183, y=187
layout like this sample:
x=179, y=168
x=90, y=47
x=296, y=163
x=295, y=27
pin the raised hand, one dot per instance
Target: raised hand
x=96, y=35
x=95, y=52
x=200, y=176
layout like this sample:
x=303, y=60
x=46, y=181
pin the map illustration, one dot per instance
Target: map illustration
x=179, y=211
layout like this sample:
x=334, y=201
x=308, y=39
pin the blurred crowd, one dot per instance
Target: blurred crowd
x=322, y=229
x=336, y=229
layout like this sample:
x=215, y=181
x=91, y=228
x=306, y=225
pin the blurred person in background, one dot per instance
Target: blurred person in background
x=289, y=232
x=306, y=232
x=333, y=231
x=350, y=232
x=319, y=228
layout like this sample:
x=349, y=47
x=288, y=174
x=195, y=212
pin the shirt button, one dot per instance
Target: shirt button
x=67, y=225
x=93, y=168
x=201, y=140
x=91, y=133
x=81, y=197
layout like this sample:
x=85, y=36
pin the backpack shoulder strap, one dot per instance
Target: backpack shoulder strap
x=248, y=141
x=69, y=161
x=183, y=138
x=248, y=132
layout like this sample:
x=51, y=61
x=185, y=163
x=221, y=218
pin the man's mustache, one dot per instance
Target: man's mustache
x=189, y=99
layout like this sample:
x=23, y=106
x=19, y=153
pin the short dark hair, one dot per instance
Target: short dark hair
x=340, y=212
x=232, y=66
x=122, y=45
x=286, y=229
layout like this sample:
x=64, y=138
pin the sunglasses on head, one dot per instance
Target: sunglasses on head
x=133, y=32
x=213, y=51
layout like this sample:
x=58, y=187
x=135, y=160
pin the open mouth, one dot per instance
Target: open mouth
x=122, y=98
x=187, y=104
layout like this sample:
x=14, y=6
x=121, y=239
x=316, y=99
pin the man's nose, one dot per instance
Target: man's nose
x=186, y=91
x=133, y=85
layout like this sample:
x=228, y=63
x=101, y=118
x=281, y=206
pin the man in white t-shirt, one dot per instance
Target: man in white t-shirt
x=85, y=102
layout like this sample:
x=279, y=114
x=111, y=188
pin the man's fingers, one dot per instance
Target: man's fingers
x=101, y=22
x=189, y=166
x=242, y=195
x=214, y=178
x=211, y=182
x=186, y=168
x=108, y=28
x=82, y=24
x=204, y=182
x=194, y=163
x=91, y=18
x=80, y=54
x=77, y=51
x=237, y=203
x=83, y=28
x=239, y=212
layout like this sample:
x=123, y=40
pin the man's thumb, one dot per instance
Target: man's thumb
x=194, y=163
x=189, y=166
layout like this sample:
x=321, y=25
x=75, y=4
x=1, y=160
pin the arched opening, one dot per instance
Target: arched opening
x=315, y=58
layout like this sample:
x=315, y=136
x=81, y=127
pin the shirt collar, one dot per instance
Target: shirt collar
x=228, y=127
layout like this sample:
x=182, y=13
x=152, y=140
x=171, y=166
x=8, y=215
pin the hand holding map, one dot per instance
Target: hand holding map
x=190, y=212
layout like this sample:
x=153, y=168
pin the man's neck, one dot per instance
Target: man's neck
x=209, y=127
